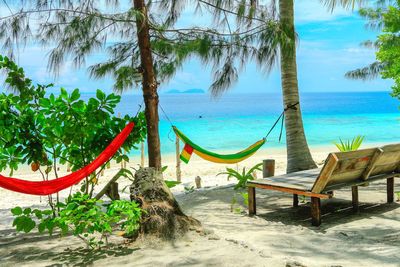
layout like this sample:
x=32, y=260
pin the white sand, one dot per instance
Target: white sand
x=279, y=236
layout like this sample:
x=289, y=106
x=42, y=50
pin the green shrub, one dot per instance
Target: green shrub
x=46, y=130
x=87, y=218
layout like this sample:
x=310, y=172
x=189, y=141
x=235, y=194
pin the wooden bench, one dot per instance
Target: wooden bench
x=343, y=169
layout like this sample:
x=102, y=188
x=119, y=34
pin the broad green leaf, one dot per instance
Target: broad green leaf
x=16, y=211
x=75, y=95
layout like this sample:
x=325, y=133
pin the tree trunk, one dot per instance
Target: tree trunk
x=298, y=154
x=162, y=216
x=149, y=86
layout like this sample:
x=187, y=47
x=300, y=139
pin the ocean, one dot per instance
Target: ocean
x=234, y=121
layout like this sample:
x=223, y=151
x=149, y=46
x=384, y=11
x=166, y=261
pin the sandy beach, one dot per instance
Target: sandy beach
x=279, y=236
x=204, y=82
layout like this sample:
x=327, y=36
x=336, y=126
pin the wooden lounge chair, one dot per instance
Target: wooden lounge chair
x=344, y=169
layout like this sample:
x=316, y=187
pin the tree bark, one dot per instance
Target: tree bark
x=298, y=154
x=162, y=216
x=149, y=86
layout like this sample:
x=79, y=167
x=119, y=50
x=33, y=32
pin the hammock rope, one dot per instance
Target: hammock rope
x=56, y=185
x=191, y=147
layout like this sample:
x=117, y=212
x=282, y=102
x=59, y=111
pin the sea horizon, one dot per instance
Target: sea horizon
x=232, y=122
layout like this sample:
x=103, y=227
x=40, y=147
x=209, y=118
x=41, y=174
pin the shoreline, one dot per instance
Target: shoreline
x=200, y=167
x=279, y=149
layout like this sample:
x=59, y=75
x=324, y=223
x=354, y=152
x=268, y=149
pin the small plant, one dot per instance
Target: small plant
x=245, y=197
x=242, y=177
x=235, y=206
x=349, y=145
x=87, y=218
x=189, y=189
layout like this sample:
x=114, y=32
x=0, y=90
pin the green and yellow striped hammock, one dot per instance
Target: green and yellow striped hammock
x=191, y=148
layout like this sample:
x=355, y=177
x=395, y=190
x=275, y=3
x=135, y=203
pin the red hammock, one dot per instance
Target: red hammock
x=56, y=185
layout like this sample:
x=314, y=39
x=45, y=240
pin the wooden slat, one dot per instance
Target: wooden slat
x=325, y=174
x=357, y=174
x=355, y=154
x=367, y=172
x=303, y=180
x=313, y=173
x=306, y=186
x=360, y=182
x=383, y=169
x=352, y=165
x=289, y=190
x=391, y=148
x=345, y=177
x=389, y=157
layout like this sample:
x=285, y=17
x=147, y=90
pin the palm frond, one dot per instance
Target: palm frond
x=349, y=145
x=367, y=73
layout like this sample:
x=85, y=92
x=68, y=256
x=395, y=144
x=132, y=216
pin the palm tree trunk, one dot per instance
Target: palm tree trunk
x=298, y=154
x=162, y=214
x=149, y=86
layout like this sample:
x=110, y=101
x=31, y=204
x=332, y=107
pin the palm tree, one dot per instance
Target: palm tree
x=298, y=154
x=283, y=40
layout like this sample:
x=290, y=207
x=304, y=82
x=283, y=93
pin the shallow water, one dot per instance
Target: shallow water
x=233, y=122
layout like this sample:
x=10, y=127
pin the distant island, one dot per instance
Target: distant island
x=188, y=91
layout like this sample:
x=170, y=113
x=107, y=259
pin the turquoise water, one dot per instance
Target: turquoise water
x=233, y=122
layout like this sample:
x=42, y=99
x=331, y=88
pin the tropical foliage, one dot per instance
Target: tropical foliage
x=389, y=47
x=47, y=130
x=243, y=176
x=385, y=17
x=79, y=29
x=350, y=145
x=88, y=218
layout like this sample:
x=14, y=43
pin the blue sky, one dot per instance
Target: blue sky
x=329, y=46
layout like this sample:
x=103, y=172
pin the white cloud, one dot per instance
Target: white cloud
x=313, y=11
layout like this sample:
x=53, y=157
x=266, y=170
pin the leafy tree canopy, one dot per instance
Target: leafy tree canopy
x=239, y=31
x=386, y=18
x=389, y=46
x=45, y=129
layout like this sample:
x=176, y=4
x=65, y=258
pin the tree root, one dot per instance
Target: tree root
x=162, y=216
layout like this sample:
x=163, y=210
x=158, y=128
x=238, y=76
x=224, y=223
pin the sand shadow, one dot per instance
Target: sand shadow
x=70, y=257
x=334, y=212
x=277, y=207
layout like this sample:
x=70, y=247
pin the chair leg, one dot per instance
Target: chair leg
x=354, y=197
x=315, y=211
x=390, y=190
x=252, y=200
x=295, y=200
